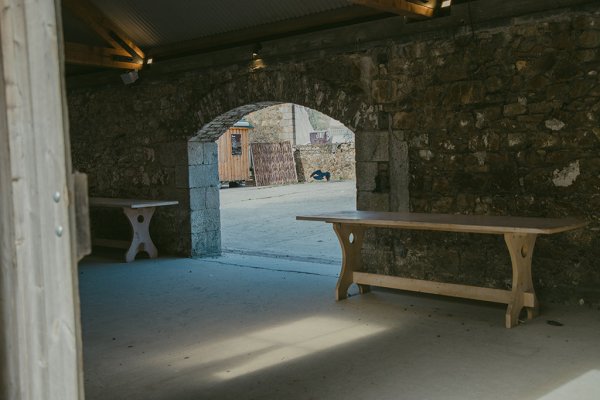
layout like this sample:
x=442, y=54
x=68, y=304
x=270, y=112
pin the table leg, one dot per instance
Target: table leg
x=139, y=218
x=520, y=247
x=351, y=240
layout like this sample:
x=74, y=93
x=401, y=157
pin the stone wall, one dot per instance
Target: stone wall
x=133, y=141
x=272, y=124
x=130, y=145
x=503, y=121
x=500, y=117
x=337, y=159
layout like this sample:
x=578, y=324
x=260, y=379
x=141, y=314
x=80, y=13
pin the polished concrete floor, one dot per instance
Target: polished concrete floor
x=261, y=323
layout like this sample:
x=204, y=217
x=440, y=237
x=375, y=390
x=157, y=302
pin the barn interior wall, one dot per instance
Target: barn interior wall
x=502, y=120
x=499, y=118
x=131, y=143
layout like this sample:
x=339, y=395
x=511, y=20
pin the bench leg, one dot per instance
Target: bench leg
x=139, y=219
x=351, y=240
x=520, y=247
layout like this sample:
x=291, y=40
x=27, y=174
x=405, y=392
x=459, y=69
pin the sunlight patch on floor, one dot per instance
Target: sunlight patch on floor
x=584, y=387
x=298, y=339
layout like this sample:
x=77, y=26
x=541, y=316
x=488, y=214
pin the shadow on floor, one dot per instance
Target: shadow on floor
x=241, y=327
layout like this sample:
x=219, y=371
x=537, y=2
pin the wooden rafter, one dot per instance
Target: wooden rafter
x=82, y=54
x=401, y=7
x=121, y=44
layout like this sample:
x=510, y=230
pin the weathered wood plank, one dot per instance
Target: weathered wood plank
x=40, y=356
x=82, y=215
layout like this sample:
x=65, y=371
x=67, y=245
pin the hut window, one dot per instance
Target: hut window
x=236, y=144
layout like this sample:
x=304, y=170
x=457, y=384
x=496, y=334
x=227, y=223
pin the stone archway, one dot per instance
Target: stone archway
x=223, y=106
x=203, y=170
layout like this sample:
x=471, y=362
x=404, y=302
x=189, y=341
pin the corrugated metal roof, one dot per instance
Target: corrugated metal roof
x=152, y=23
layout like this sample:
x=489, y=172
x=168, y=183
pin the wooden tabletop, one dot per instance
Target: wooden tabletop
x=450, y=222
x=129, y=203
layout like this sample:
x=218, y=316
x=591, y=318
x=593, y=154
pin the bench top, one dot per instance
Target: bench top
x=450, y=222
x=129, y=203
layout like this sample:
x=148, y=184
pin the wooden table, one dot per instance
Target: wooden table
x=519, y=234
x=139, y=214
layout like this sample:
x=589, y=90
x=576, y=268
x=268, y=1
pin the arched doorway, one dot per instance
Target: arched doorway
x=347, y=102
x=288, y=144
x=204, y=184
x=204, y=181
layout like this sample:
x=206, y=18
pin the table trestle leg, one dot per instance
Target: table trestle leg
x=139, y=219
x=520, y=247
x=351, y=240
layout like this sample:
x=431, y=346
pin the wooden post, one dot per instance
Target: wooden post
x=40, y=350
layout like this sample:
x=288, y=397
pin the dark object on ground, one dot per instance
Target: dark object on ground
x=319, y=175
x=554, y=323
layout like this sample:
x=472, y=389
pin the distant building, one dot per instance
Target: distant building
x=298, y=125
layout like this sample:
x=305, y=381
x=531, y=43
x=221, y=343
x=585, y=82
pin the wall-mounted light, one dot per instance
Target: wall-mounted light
x=149, y=61
x=446, y=3
x=257, y=61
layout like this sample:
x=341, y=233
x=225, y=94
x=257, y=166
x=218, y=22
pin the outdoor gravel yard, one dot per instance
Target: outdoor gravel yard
x=262, y=220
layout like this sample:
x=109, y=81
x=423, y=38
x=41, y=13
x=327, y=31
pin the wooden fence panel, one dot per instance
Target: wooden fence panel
x=273, y=163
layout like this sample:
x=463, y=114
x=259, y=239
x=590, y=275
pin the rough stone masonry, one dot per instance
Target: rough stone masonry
x=501, y=118
x=336, y=158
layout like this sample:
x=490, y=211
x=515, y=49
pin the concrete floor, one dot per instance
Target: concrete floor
x=243, y=326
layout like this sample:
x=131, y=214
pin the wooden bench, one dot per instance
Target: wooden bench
x=139, y=214
x=519, y=234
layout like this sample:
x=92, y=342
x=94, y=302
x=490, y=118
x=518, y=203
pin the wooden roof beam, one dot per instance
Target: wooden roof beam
x=402, y=7
x=99, y=56
x=112, y=34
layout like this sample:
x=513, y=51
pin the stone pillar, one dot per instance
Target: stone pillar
x=399, y=175
x=204, y=199
x=372, y=171
x=382, y=174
